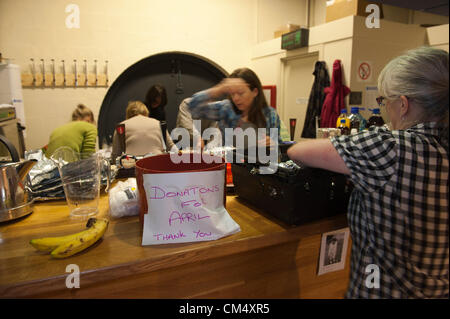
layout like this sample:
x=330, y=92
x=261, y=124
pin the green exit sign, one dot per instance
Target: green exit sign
x=295, y=39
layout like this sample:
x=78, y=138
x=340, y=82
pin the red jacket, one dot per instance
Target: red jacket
x=334, y=100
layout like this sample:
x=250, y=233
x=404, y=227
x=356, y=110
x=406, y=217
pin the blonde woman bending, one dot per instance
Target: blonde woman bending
x=80, y=134
x=142, y=134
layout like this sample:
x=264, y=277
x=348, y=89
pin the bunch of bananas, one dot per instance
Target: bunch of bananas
x=65, y=246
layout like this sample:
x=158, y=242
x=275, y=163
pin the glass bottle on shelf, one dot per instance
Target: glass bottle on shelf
x=344, y=128
x=357, y=121
x=343, y=116
x=375, y=119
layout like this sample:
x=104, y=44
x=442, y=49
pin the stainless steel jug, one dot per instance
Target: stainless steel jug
x=15, y=200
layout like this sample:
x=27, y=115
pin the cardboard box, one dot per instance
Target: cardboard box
x=344, y=8
x=286, y=29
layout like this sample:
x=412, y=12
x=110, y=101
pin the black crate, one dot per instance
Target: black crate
x=293, y=195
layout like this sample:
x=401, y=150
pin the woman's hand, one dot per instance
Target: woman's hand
x=227, y=86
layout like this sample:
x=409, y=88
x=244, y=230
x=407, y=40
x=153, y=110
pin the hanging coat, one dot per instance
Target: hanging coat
x=316, y=99
x=334, y=100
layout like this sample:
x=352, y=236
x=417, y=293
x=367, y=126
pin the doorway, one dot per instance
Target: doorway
x=298, y=79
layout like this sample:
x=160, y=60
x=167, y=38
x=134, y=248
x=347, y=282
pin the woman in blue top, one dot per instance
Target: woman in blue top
x=245, y=104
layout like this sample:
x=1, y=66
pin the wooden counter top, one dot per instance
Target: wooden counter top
x=119, y=267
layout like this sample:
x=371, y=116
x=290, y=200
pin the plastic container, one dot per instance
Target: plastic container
x=357, y=120
x=343, y=116
x=375, y=119
x=344, y=128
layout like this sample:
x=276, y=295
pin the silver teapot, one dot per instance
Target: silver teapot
x=15, y=200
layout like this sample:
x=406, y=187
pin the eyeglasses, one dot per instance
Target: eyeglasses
x=381, y=100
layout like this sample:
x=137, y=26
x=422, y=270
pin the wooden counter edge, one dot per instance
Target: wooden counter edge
x=217, y=249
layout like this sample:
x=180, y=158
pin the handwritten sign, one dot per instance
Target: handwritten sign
x=185, y=207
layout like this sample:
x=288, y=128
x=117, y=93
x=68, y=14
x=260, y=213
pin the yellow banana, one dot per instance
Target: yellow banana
x=95, y=226
x=47, y=244
x=84, y=240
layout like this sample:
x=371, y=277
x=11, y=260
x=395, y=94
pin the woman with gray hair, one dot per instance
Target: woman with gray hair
x=398, y=211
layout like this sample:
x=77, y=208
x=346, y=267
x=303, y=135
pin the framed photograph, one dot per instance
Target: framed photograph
x=333, y=251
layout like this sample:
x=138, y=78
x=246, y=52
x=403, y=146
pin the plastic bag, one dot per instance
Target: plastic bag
x=124, y=199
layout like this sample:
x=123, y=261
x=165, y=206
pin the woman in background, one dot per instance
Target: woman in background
x=244, y=104
x=80, y=134
x=398, y=211
x=156, y=100
x=142, y=134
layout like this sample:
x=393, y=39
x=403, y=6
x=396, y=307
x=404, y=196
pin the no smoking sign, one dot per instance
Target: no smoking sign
x=364, y=71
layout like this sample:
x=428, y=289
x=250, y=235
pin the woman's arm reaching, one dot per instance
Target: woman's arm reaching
x=318, y=153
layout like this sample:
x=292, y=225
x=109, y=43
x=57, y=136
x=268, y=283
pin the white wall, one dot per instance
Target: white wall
x=349, y=40
x=378, y=47
x=438, y=36
x=273, y=15
x=330, y=41
x=318, y=12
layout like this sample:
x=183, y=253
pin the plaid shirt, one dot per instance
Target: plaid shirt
x=222, y=111
x=398, y=211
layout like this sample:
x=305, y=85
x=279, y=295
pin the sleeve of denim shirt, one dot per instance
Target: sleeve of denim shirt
x=201, y=108
x=273, y=121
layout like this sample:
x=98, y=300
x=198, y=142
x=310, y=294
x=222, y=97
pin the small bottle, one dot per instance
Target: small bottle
x=375, y=119
x=357, y=120
x=343, y=116
x=344, y=128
